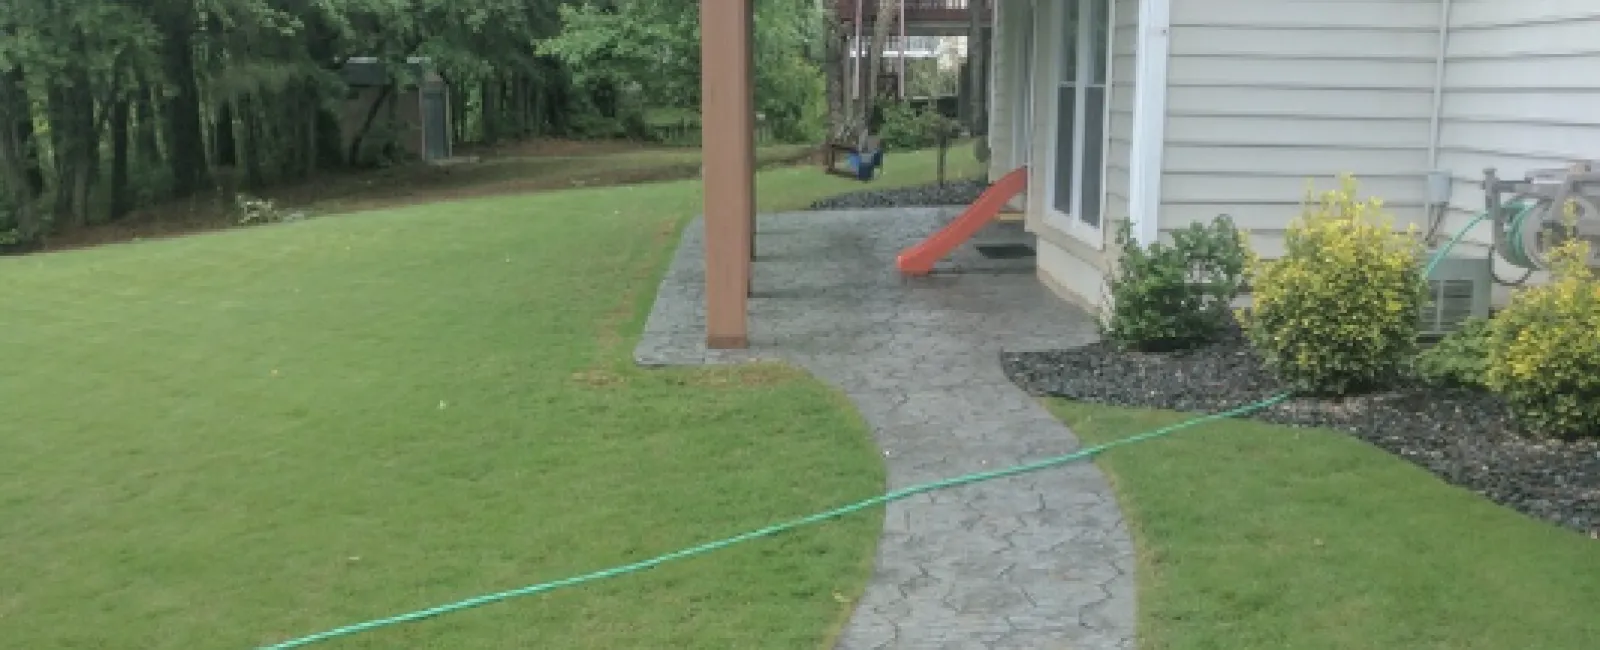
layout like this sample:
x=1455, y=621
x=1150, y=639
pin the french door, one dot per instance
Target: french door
x=1080, y=106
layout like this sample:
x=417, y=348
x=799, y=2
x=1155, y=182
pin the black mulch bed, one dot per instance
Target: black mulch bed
x=1465, y=437
x=954, y=192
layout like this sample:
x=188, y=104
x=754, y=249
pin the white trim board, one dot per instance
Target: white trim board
x=1149, y=119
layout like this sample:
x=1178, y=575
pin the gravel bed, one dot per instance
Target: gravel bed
x=1465, y=437
x=954, y=192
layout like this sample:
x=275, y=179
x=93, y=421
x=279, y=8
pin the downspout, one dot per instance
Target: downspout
x=1435, y=120
x=1438, y=181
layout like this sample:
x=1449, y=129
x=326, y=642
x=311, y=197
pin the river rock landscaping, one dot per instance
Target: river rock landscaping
x=955, y=192
x=1465, y=437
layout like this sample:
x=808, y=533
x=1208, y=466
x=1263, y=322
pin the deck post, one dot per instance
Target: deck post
x=727, y=101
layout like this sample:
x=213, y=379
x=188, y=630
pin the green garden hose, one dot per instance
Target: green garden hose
x=882, y=499
x=1517, y=250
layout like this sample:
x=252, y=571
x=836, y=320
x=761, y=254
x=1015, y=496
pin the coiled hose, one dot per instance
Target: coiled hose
x=835, y=513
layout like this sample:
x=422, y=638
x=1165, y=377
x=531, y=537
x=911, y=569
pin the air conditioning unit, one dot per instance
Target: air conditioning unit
x=1458, y=289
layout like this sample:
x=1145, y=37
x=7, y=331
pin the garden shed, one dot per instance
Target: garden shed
x=411, y=105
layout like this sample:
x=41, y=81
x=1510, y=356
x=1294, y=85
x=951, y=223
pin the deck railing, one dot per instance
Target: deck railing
x=917, y=11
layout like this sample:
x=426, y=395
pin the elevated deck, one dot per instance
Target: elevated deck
x=923, y=17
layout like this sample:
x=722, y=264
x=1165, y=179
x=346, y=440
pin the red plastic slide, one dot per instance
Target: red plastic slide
x=919, y=259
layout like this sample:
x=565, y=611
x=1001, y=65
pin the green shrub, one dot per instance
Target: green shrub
x=1172, y=296
x=1459, y=359
x=1338, y=313
x=1544, y=353
x=905, y=127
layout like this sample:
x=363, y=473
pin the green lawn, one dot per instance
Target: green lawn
x=1260, y=537
x=231, y=439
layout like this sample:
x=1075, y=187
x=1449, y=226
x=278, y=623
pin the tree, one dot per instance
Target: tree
x=650, y=49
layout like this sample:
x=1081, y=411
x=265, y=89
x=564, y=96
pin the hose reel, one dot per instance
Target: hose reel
x=1531, y=216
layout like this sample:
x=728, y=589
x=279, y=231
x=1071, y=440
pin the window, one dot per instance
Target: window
x=1081, y=110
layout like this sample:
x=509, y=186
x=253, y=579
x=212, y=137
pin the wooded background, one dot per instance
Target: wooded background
x=109, y=106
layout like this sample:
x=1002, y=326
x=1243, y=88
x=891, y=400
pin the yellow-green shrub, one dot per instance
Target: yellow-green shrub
x=1544, y=349
x=1338, y=312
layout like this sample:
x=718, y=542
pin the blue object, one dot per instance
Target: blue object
x=865, y=169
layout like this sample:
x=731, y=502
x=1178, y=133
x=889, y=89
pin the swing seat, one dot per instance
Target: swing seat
x=859, y=166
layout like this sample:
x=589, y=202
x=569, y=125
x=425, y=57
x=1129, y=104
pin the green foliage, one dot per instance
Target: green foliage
x=651, y=48
x=1177, y=295
x=1544, y=354
x=905, y=127
x=1338, y=313
x=1460, y=359
x=924, y=78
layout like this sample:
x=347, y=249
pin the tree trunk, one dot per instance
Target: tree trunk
x=121, y=201
x=186, y=144
x=250, y=123
x=227, y=149
x=881, y=22
x=21, y=113
x=75, y=137
x=519, y=93
x=146, y=138
x=489, y=101
x=458, y=113
x=15, y=167
x=312, y=101
x=835, y=42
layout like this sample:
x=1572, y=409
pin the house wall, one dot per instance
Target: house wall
x=1521, y=92
x=1266, y=95
x=1072, y=266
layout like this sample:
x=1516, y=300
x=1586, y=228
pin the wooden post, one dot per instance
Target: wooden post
x=727, y=99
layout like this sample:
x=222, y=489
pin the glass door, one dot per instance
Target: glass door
x=1080, y=102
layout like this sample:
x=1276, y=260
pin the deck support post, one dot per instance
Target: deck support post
x=727, y=98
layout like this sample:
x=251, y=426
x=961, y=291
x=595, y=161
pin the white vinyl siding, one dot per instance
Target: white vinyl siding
x=1267, y=95
x=1521, y=92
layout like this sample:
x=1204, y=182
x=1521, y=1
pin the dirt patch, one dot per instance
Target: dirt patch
x=515, y=168
x=598, y=378
x=745, y=375
x=556, y=147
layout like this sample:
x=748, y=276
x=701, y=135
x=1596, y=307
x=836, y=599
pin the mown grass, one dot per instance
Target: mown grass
x=1255, y=536
x=231, y=439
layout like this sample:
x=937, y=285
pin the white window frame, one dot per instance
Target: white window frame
x=1092, y=234
x=1022, y=20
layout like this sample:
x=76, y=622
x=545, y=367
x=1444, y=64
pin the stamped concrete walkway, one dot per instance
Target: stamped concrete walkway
x=1037, y=562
